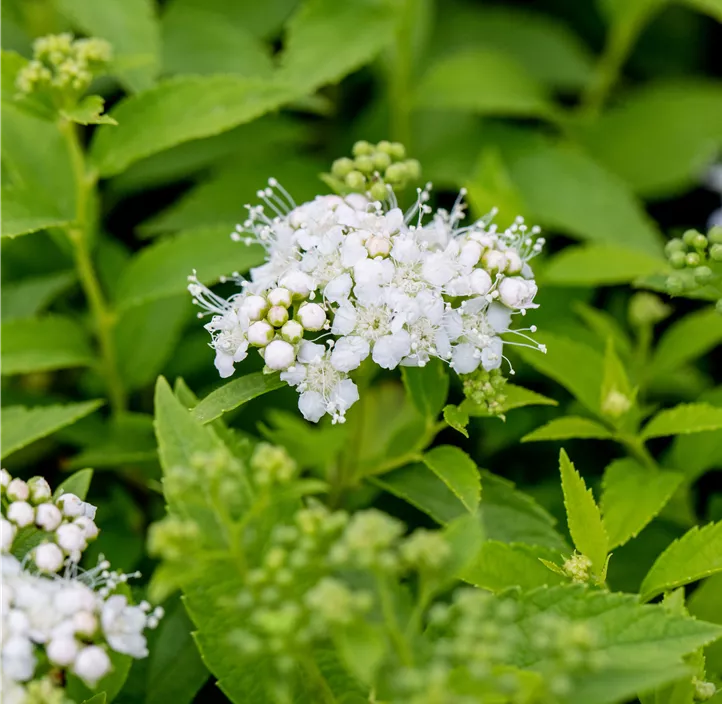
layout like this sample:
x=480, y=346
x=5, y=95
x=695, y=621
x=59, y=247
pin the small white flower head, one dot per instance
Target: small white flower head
x=311, y=316
x=21, y=513
x=91, y=664
x=48, y=517
x=39, y=490
x=292, y=331
x=62, y=650
x=18, y=490
x=279, y=355
x=298, y=283
x=7, y=534
x=280, y=297
x=260, y=333
x=48, y=557
x=349, y=352
x=70, y=537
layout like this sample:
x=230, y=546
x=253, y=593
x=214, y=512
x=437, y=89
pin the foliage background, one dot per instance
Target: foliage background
x=596, y=120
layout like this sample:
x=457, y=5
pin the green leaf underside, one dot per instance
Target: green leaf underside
x=632, y=496
x=234, y=394
x=569, y=427
x=428, y=387
x=22, y=426
x=684, y=419
x=458, y=471
x=583, y=516
x=697, y=554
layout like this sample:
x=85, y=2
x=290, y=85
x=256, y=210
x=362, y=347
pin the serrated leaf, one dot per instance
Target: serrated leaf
x=325, y=40
x=44, y=344
x=30, y=296
x=685, y=340
x=501, y=566
x=99, y=698
x=660, y=136
x=516, y=397
x=362, y=648
x=573, y=364
x=175, y=669
x=599, y=265
x=131, y=28
x=683, y=419
x=162, y=270
x=22, y=426
x=77, y=483
x=234, y=394
x=89, y=111
x=178, y=110
x=484, y=81
x=583, y=517
x=697, y=554
x=457, y=418
x=458, y=471
x=632, y=496
x=428, y=387
x=568, y=427
x=604, y=325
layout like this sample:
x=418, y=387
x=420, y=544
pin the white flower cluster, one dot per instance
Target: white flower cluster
x=365, y=280
x=55, y=620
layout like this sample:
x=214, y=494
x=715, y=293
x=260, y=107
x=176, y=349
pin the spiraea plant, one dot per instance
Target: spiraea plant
x=363, y=439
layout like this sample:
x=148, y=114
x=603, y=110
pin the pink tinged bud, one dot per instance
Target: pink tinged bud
x=378, y=246
x=298, y=283
x=260, y=333
x=279, y=355
x=87, y=525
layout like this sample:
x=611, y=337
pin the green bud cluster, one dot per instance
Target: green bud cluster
x=370, y=541
x=578, y=567
x=375, y=169
x=64, y=64
x=45, y=691
x=697, y=259
x=647, y=309
x=171, y=537
x=486, y=389
x=425, y=550
x=703, y=691
x=272, y=465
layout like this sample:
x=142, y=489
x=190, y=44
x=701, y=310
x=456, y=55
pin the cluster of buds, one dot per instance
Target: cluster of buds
x=485, y=389
x=373, y=169
x=67, y=521
x=698, y=261
x=64, y=64
x=56, y=621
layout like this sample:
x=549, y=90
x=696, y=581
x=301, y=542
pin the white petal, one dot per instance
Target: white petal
x=491, y=356
x=389, y=350
x=465, y=358
x=311, y=405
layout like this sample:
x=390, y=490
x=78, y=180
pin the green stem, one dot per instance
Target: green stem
x=79, y=235
x=392, y=625
x=636, y=448
x=399, y=76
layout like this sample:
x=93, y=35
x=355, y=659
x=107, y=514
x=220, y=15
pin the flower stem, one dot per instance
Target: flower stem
x=78, y=234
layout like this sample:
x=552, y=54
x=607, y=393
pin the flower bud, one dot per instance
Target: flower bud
x=18, y=490
x=379, y=191
x=616, y=404
x=85, y=623
x=378, y=246
x=675, y=285
x=514, y=263
x=7, y=534
x=355, y=180
x=260, y=333
x=21, y=513
x=362, y=148
x=674, y=245
x=396, y=174
x=692, y=259
x=39, y=490
x=715, y=235
x=4, y=478
x=280, y=297
x=381, y=160
x=689, y=236
x=48, y=557
x=715, y=252
x=342, y=167
x=703, y=275
x=480, y=282
x=62, y=651
x=311, y=316
x=255, y=307
x=48, y=517
x=413, y=169
x=292, y=332
x=70, y=537
x=397, y=150
x=647, y=309
x=699, y=242
x=494, y=261
x=515, y=292
x=279, y=355
x=87, y=525
x=70, y=505
x=278, y=316
x=677, y=260
x=298, y=283
x=365, y=164
x=91, y=664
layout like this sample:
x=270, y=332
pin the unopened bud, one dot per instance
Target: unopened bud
x=355, y=180
x=280, y=297
x=260, y=333
x=279, y=355
x=312, y=316
x=278, y=316
x=342, y=167
x=365, y=164
x=378, y=246
x=292, y=331
x=362, y=148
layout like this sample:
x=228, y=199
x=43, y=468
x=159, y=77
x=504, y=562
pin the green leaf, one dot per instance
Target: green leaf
x=632, y=496
x=131, y=28
x=99, y=698
x=465, y=536
x=178, y=110
x=695, y=454
x=234, y=394
x=599, y=265
x=201, y=40
x=685, y=340
x=697, y=554
x=43, y=344
x=428, y=387
x=78, y=484
x=573, y=364
x=605, y=326
x=22, y=426
x=683, y=419
x=326, y=40
x=457, y=418
x=89, y=111
x=23, y=212
x=568, y=427
x=483, y=81
x=660, y=136
x=162, y=270
x=362, y=648
x=501, y=566
x=30, y=296
x=516, y=397
x=175, y=669
x=583, y=517
x=147, y=335
x=458, y=471
x=511, y=516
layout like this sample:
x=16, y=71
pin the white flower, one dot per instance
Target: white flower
x=312, y=405
x=465, y=358
x=123, y=626
x=21, y=513
x=48, y=557
x=71, y=505
x=389, y=350
x=298, y=283
x=279, y=355
x=91, y=664
x=260, y=333
x=62, y=651
x=255, y=307
x=515, y=292
x=339, y=288
x=349, y=352
x=70, y=537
